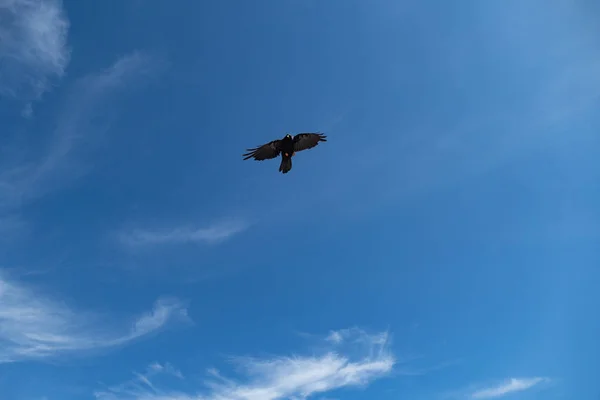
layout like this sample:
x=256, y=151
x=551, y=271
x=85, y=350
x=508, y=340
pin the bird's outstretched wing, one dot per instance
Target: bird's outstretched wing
x=264, y=152
x=303, y=141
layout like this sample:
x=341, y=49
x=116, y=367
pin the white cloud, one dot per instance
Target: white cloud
x=165, y=368
x=33, y=47
x=279, y=377
x=34, y=326
x=335, y=337
x=210, y=235
x=90, y=97
x=356, y=335
x=509, y=386
x=141, y=383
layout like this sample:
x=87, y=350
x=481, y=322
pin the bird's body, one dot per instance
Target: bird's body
x=287, y=147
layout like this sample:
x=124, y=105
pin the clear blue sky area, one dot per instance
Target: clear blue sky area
x=443, y=244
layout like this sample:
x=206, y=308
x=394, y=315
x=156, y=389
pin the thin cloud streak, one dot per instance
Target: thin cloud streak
x=510, y=386
x=280, y=377
x=355, y=335
x=34, y=326
x=209, y=235
x=90, y=97
x=33, y=48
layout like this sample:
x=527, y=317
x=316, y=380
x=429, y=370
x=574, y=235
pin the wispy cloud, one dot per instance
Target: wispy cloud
x=34, y=326
x=90, y=97
x=279, y=377
x=212, y=234
x=335, y=337
x=141, y=383
x=507, y=387
x=355, y=335
x=33, y=47
x=165, y=368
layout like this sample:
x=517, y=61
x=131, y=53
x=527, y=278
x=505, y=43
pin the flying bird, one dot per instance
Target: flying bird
x=287, y=147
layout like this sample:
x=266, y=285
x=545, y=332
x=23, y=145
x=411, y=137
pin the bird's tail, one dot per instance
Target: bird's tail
x=286, y=165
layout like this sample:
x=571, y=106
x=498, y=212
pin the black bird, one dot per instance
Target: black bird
x=288, y=146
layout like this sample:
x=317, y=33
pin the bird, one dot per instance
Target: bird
x=288, y=146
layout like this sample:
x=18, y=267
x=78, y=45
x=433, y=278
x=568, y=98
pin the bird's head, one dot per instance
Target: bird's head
x=288, y=136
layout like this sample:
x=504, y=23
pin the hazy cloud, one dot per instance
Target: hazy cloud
x=208, y=235
x=507, y=387
x=91, y=96
x=278, y=377
x=33, y=47
x=34, y=326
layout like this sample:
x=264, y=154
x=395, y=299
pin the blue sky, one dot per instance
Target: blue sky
x=443, y=243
